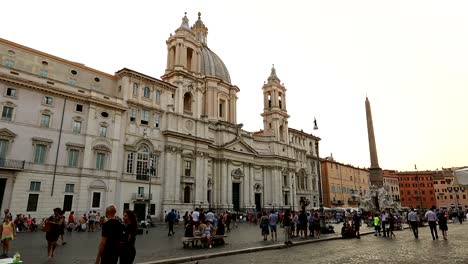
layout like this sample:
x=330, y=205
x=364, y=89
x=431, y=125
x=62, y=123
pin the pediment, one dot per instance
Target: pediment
x=7, y=134
x=240, y=146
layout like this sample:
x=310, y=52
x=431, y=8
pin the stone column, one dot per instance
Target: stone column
x=245, y=185
x=223, y=182
x=229, y=183
x=200, y=179
x=177, y=55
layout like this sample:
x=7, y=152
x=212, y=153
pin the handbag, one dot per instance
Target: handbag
x=47, y=227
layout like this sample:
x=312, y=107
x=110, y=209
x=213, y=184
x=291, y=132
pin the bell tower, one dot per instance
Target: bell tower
x=183, y=49
x=275, y=115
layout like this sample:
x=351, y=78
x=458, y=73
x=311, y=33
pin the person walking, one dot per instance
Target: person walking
x=391, y=223
x=377, y=224
x=443, y=224
x=8, y=232
x=52, y=228
x=171, y=217
x=384, y=224
x=264, y=226
x=317, y=227
x=273, y=221
x=131, y=226
x=432, y=221
x=413, y=220
x=112, y=237
x=62, y=227
x=357, y=223
x=287, y=222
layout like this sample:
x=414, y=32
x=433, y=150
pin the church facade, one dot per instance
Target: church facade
x=144, y=143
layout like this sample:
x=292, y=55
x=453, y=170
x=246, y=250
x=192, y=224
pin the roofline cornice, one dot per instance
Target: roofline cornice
x=49, y=56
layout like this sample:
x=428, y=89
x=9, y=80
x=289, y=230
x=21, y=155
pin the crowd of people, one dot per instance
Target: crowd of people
x=118, y=235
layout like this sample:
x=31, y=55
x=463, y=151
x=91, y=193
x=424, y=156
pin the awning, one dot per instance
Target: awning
x=461, y=176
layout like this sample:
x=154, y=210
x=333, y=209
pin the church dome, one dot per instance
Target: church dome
x=212, y=65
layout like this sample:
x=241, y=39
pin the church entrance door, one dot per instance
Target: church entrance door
x=236, y=196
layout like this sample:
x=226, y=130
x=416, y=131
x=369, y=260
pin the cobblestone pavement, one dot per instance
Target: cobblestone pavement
x=369, y=249
x=82, y=247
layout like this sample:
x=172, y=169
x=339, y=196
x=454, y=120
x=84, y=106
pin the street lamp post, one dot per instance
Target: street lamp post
x=292, y=193
x=150, y=172
x=319, y=175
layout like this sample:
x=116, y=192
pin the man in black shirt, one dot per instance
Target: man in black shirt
x=111, y=239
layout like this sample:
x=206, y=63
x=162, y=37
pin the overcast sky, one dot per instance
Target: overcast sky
x=409, y=57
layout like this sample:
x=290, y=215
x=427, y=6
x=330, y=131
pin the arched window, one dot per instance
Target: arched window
x=142, y=159
x=279, y=101
x=187, y=193
x=146, y=92
x=269, y=100
x=281, y=133
x=188, y=102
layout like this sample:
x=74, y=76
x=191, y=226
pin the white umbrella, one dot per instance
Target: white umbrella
x=461, y=176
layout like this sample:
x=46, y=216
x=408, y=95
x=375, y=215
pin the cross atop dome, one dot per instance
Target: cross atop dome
x=185, y=22
x=273, y=75
x=200, y=30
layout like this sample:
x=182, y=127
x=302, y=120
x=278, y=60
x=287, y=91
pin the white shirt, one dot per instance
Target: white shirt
x=209, y=217
x=430, y=216
x=413, y=216
x=195, y=216
x=384, y=217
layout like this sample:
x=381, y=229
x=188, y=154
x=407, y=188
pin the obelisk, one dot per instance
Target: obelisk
x=376, y=174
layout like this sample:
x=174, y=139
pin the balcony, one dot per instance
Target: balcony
x=142, y=177
x=353, y=201
x=11, y=164
x=141, y=196
x=337, y=202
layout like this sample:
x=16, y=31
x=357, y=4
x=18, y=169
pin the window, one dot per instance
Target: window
x=43, y=73
x=451, y=197
x=133, y=114
x=69, y=188
x=3, y=148
x=96, y=202
x=157, y=119
x=102, y=131
x=130, y=162
x=158, y=96
x=187, y=194
x=144, y=117
x=76, y=127
x=11, y=92
x=153, y=209
x=79, y=108
x=141, y=190
x=9, y=63
x=135, y=89
x=187, y=102
x=222, y=103
x=188, y=168
x=35, y=186
x=67, y=203
x=126, y=207
x=73, y=155
x=32, y=202
x=142, y=162
x=464, y=196
x=100, y=161
x=48, y=100
x=39, y=155
x=45, y=120
x=146, y=92
x=7, y=113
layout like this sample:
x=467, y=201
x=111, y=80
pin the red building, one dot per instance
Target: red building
x=416, y=189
